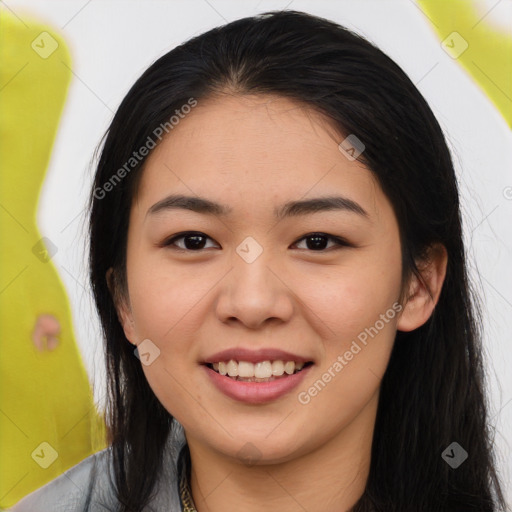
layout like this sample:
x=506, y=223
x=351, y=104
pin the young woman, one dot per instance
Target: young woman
x=277, y=260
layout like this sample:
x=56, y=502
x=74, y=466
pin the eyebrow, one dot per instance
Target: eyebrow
x=289, y=209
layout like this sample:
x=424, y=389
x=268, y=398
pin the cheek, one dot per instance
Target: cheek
x=358, y=305
x=351, y=369
x=162, y=297
x=349, y=299
x=163, y=306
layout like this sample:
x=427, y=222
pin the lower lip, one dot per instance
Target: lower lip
x=256, y=392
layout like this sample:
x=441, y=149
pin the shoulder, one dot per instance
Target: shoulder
x=85, y=486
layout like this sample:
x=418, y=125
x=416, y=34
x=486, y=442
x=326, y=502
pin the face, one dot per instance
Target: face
x=318, y=286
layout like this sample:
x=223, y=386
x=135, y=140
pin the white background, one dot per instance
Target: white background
x=112, y=42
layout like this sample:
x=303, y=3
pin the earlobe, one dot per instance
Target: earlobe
x=125, y=317
x=424, y=293
x=124, y=313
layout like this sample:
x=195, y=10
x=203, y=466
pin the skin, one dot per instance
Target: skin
x=254, y=153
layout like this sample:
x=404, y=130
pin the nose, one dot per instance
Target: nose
x=255, y=294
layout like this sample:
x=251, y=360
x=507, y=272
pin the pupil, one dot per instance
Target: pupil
x=320, y=242
x=198, y=242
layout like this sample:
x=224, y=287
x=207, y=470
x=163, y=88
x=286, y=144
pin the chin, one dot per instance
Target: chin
x=262, y=449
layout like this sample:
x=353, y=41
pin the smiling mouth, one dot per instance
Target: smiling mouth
x=264, y=371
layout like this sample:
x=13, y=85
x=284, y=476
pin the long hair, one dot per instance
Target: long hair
x=432, y=393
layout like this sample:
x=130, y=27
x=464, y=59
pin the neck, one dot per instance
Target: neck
x=330, y=478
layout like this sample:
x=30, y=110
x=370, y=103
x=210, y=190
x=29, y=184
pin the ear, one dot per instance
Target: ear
x=124, y=313
x=423, y=294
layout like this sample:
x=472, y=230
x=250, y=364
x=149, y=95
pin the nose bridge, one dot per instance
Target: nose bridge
x=253, y=292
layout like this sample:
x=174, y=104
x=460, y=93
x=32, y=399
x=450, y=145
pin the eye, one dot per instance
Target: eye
x=193, y=241
x=318, y=241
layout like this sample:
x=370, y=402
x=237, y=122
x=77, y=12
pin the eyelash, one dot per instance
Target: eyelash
x=170, y=241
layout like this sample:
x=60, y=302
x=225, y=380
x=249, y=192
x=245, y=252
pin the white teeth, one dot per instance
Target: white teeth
x=232, y=368
x=289, y=367
x=260, y=370
x=263, y=370
x=245, y=369
x=277, y=368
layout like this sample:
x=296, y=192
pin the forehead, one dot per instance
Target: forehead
x=254, y=150
x=253, y=129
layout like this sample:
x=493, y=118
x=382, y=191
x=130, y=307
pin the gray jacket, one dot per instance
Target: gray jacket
x=86, y=487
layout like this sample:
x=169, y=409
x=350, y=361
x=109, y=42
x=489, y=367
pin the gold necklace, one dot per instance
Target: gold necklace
x=187, y=503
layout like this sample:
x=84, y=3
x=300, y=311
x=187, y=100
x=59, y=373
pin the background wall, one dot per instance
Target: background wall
x=112, y=42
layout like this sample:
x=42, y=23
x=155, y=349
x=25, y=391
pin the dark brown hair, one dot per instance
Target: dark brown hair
x=433, y=390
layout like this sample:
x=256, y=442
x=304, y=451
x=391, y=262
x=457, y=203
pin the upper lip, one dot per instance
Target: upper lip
x=255, y=356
